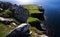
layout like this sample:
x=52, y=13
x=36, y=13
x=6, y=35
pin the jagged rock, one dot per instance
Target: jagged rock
x=8, y=5
x=5, y=5
x=13, y=7
x=20, y=31
x=21, y=14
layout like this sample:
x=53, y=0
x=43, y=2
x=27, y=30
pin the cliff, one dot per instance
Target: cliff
x=31, y=14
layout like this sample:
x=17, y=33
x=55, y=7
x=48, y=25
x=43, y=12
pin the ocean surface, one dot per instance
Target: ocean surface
x=52, y=13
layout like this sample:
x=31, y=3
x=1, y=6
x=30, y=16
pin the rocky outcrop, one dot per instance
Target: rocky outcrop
x=21, y=14
x=13, y=7
x=5, y=5
x=8, y=5
x=18, y=12
x=20, y=31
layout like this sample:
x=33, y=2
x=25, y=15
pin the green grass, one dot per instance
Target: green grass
x=5, y=29
x=35, y=30
x=34, y=11
x=32, y=8
x=31, y=19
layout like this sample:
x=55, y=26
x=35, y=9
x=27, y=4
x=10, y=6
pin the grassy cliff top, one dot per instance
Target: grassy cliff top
x=33, y=8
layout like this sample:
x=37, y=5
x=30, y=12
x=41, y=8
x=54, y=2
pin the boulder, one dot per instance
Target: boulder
x=21, y=14
x=20, y=31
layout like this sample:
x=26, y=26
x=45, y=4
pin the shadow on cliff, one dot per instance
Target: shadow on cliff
x=36, y=24
x=38, y=15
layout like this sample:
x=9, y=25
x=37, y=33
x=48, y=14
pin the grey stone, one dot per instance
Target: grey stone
x=6, y=16
x=5, y=21
x=1, y=9
x=20, y=31
x=21, y=14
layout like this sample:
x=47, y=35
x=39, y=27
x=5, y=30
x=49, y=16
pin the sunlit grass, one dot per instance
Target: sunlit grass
x=32, y=19
x=32, y=8
x=5, y=29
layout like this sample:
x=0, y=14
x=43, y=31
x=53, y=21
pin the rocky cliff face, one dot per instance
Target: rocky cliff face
x=21, y=14
x=35, y=12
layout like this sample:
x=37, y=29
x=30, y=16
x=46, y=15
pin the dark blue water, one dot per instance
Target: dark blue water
x=52, y=12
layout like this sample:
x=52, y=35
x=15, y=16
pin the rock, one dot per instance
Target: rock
x=14, y=24
x=20, y=31
x=43, y=26
x=21, y=14
x=18, y=12
x=41, y=9
x=1, y=9
x=37, y=25
x=5, y=5
x=6, y=16
x=13, y=7
x=5, y=21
